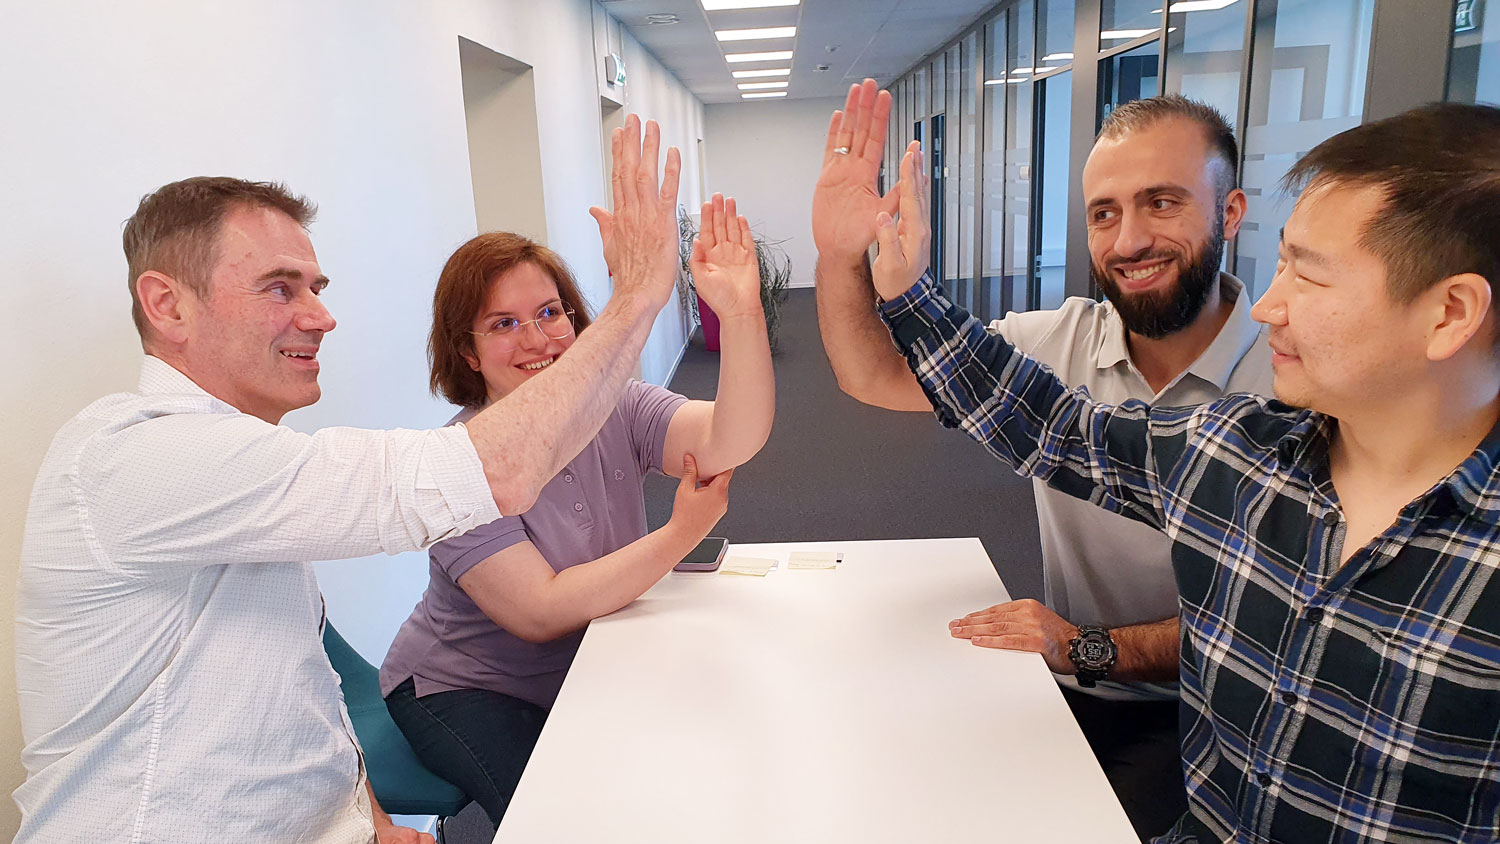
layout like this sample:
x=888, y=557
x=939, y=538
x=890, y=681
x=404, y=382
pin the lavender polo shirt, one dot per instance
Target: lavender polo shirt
x=593, y=507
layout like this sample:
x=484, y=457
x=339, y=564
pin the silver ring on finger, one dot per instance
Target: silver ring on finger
x=840, y=150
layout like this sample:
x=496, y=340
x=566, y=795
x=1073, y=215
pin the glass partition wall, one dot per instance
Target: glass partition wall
x=1008, y=109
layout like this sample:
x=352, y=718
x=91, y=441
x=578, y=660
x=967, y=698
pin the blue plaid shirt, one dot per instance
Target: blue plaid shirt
x=1320, y=702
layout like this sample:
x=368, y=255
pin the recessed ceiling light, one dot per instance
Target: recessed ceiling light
x=767, y=94
x=757, y=86
x=756, y=34
x=1024, y=69
x=1200, y=5
x=772, y=56
x=662, y=20
x=720, y=5
x=1058, y=57
x=1123, y=34
x=757, y=74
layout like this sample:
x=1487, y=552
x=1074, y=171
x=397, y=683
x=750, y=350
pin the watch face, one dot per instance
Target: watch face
x=1094, y=651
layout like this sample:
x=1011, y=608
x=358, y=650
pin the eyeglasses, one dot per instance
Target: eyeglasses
x=554, y=321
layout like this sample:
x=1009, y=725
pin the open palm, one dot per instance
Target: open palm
x=725, y=270
x=845, y=200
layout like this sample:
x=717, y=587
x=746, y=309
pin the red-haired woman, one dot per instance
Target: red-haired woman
x=474, y=670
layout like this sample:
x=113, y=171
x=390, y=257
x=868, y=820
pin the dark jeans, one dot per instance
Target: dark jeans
x=1137, y=746
x=475, y=739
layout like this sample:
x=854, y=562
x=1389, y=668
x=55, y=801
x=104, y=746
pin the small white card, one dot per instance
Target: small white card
x=748, y=566
x=813, y=560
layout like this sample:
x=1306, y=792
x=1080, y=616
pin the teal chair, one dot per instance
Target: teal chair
x=402, y=785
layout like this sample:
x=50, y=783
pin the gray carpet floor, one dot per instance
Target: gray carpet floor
x=837, y=469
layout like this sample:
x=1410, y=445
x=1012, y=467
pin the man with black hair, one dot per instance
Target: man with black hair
x=1174, y=330
x=1337, y=552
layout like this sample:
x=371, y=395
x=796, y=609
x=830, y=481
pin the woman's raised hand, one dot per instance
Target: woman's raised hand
x=725, y=270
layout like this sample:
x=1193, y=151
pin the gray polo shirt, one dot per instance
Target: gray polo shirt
x=1100, y=568
x=593, y=507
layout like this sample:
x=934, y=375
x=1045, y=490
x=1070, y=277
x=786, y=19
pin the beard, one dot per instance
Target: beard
x=1156, y=313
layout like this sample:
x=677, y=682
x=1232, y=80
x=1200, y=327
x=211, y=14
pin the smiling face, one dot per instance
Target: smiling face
x=253, y=340
x=1340, y=342
x=1157, y=223
x=507, y=361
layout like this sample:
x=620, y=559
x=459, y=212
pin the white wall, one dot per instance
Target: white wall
x=767, y=156
x=356, y=103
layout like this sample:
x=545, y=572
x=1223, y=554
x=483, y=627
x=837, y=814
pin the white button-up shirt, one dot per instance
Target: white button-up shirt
x=169, y=663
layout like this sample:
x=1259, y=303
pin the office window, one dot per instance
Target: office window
x=1054, y=31
x=1474, y=63
x=939, y=101
x=1117, y=15
x=1205, y=50
x=953, y=183
x=1131, y=75
x=1018, y=107
x=1055, y=176
x=992, y=298
x=922, y=91
x=968, y=153
x=1307, y=83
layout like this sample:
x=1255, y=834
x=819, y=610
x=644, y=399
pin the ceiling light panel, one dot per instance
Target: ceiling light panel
x=756, y=34
x=763, y=94
x=772, y=56
x=721, y=5
x=762, y=74
x=759, y=86
x=1200, y=5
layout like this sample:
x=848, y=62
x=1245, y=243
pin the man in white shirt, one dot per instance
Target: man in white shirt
x=1161, y=200
x=170, y=668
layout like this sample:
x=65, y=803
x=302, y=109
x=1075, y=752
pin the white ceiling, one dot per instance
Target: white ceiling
x=854, y=38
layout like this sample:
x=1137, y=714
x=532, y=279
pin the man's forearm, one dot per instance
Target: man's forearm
x=527, y=437
x=1146, y=652
x=868, y=367
x=745, y=404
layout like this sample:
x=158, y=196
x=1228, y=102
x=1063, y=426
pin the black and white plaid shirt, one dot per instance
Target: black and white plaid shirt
x=1320, y=702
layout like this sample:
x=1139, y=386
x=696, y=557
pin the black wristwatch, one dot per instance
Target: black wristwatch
x=1093, y=653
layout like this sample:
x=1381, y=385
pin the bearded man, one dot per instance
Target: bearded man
x=1160, y=202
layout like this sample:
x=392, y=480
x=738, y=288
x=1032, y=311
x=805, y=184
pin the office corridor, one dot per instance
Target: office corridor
x=838, y=469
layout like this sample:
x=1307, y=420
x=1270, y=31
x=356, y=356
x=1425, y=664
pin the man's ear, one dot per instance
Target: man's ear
x=162, y=302
x=1234, y=213
x=1460, y=305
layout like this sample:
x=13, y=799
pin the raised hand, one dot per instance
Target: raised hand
x=696, y=509
x=904, y=254
x=640, y=233
x=845, y=200
x=726, y=272
x=1024, y=625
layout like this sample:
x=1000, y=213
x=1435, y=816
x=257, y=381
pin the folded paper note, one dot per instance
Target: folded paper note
x=813, y=560
x=749, y=566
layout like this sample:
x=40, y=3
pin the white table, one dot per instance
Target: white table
x=812, y=706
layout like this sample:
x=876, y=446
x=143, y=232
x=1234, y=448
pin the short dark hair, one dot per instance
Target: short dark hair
x=1142, y=114
x=175, y=229
x=462, y=288
x=1438, y=167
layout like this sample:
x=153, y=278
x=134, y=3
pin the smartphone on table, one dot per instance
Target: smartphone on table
x=706, y=556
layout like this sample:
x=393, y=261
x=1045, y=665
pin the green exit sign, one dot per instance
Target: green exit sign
x=1467, y=16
